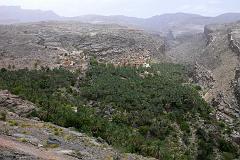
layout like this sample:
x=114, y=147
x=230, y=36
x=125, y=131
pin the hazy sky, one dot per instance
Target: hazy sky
x=137, y=8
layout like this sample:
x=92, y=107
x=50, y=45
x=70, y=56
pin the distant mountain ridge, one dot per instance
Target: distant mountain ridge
x=15, y=14
x=177, y=22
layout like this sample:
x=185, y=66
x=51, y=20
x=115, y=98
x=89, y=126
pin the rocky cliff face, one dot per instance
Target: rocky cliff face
x=237, y=85
x=207, y=33
x=215, y=55
x=234, y=38
x=221, y=57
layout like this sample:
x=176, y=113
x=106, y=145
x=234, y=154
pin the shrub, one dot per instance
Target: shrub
x=23, y=140
x=226, y=146
x=13, y=123
x=3, y=116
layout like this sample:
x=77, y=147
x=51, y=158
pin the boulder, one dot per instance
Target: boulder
x=53, y=141
x=13, y=103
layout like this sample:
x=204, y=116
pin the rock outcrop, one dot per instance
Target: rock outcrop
x=207, y=33
x=203, y=77
x=13, y=103
x=236, y=86
x=8, y=154
x=234, y=38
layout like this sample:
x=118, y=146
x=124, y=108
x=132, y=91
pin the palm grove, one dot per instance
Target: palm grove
x=150, y=111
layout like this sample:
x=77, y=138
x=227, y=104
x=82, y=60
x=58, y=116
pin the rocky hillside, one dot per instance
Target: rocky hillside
x=24, y=138
x=70, y=44
x=216, y=55
x=221, y=56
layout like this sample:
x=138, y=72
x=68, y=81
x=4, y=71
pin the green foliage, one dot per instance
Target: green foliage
x=228, y=156
x=137, y=110
x=225, y=146
x=3, y=116
x=13, y=123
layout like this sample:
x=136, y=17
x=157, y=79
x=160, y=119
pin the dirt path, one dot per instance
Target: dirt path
x=6, y=142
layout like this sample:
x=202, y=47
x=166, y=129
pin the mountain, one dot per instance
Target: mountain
x=15, y=14
x=226, y=18
x=69, y=43
x=178, y=23
x=160, y=23
x=118, y=19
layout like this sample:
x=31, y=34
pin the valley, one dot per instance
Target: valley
x=115, y=87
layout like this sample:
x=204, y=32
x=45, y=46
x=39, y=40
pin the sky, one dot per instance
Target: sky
x=134, y=8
